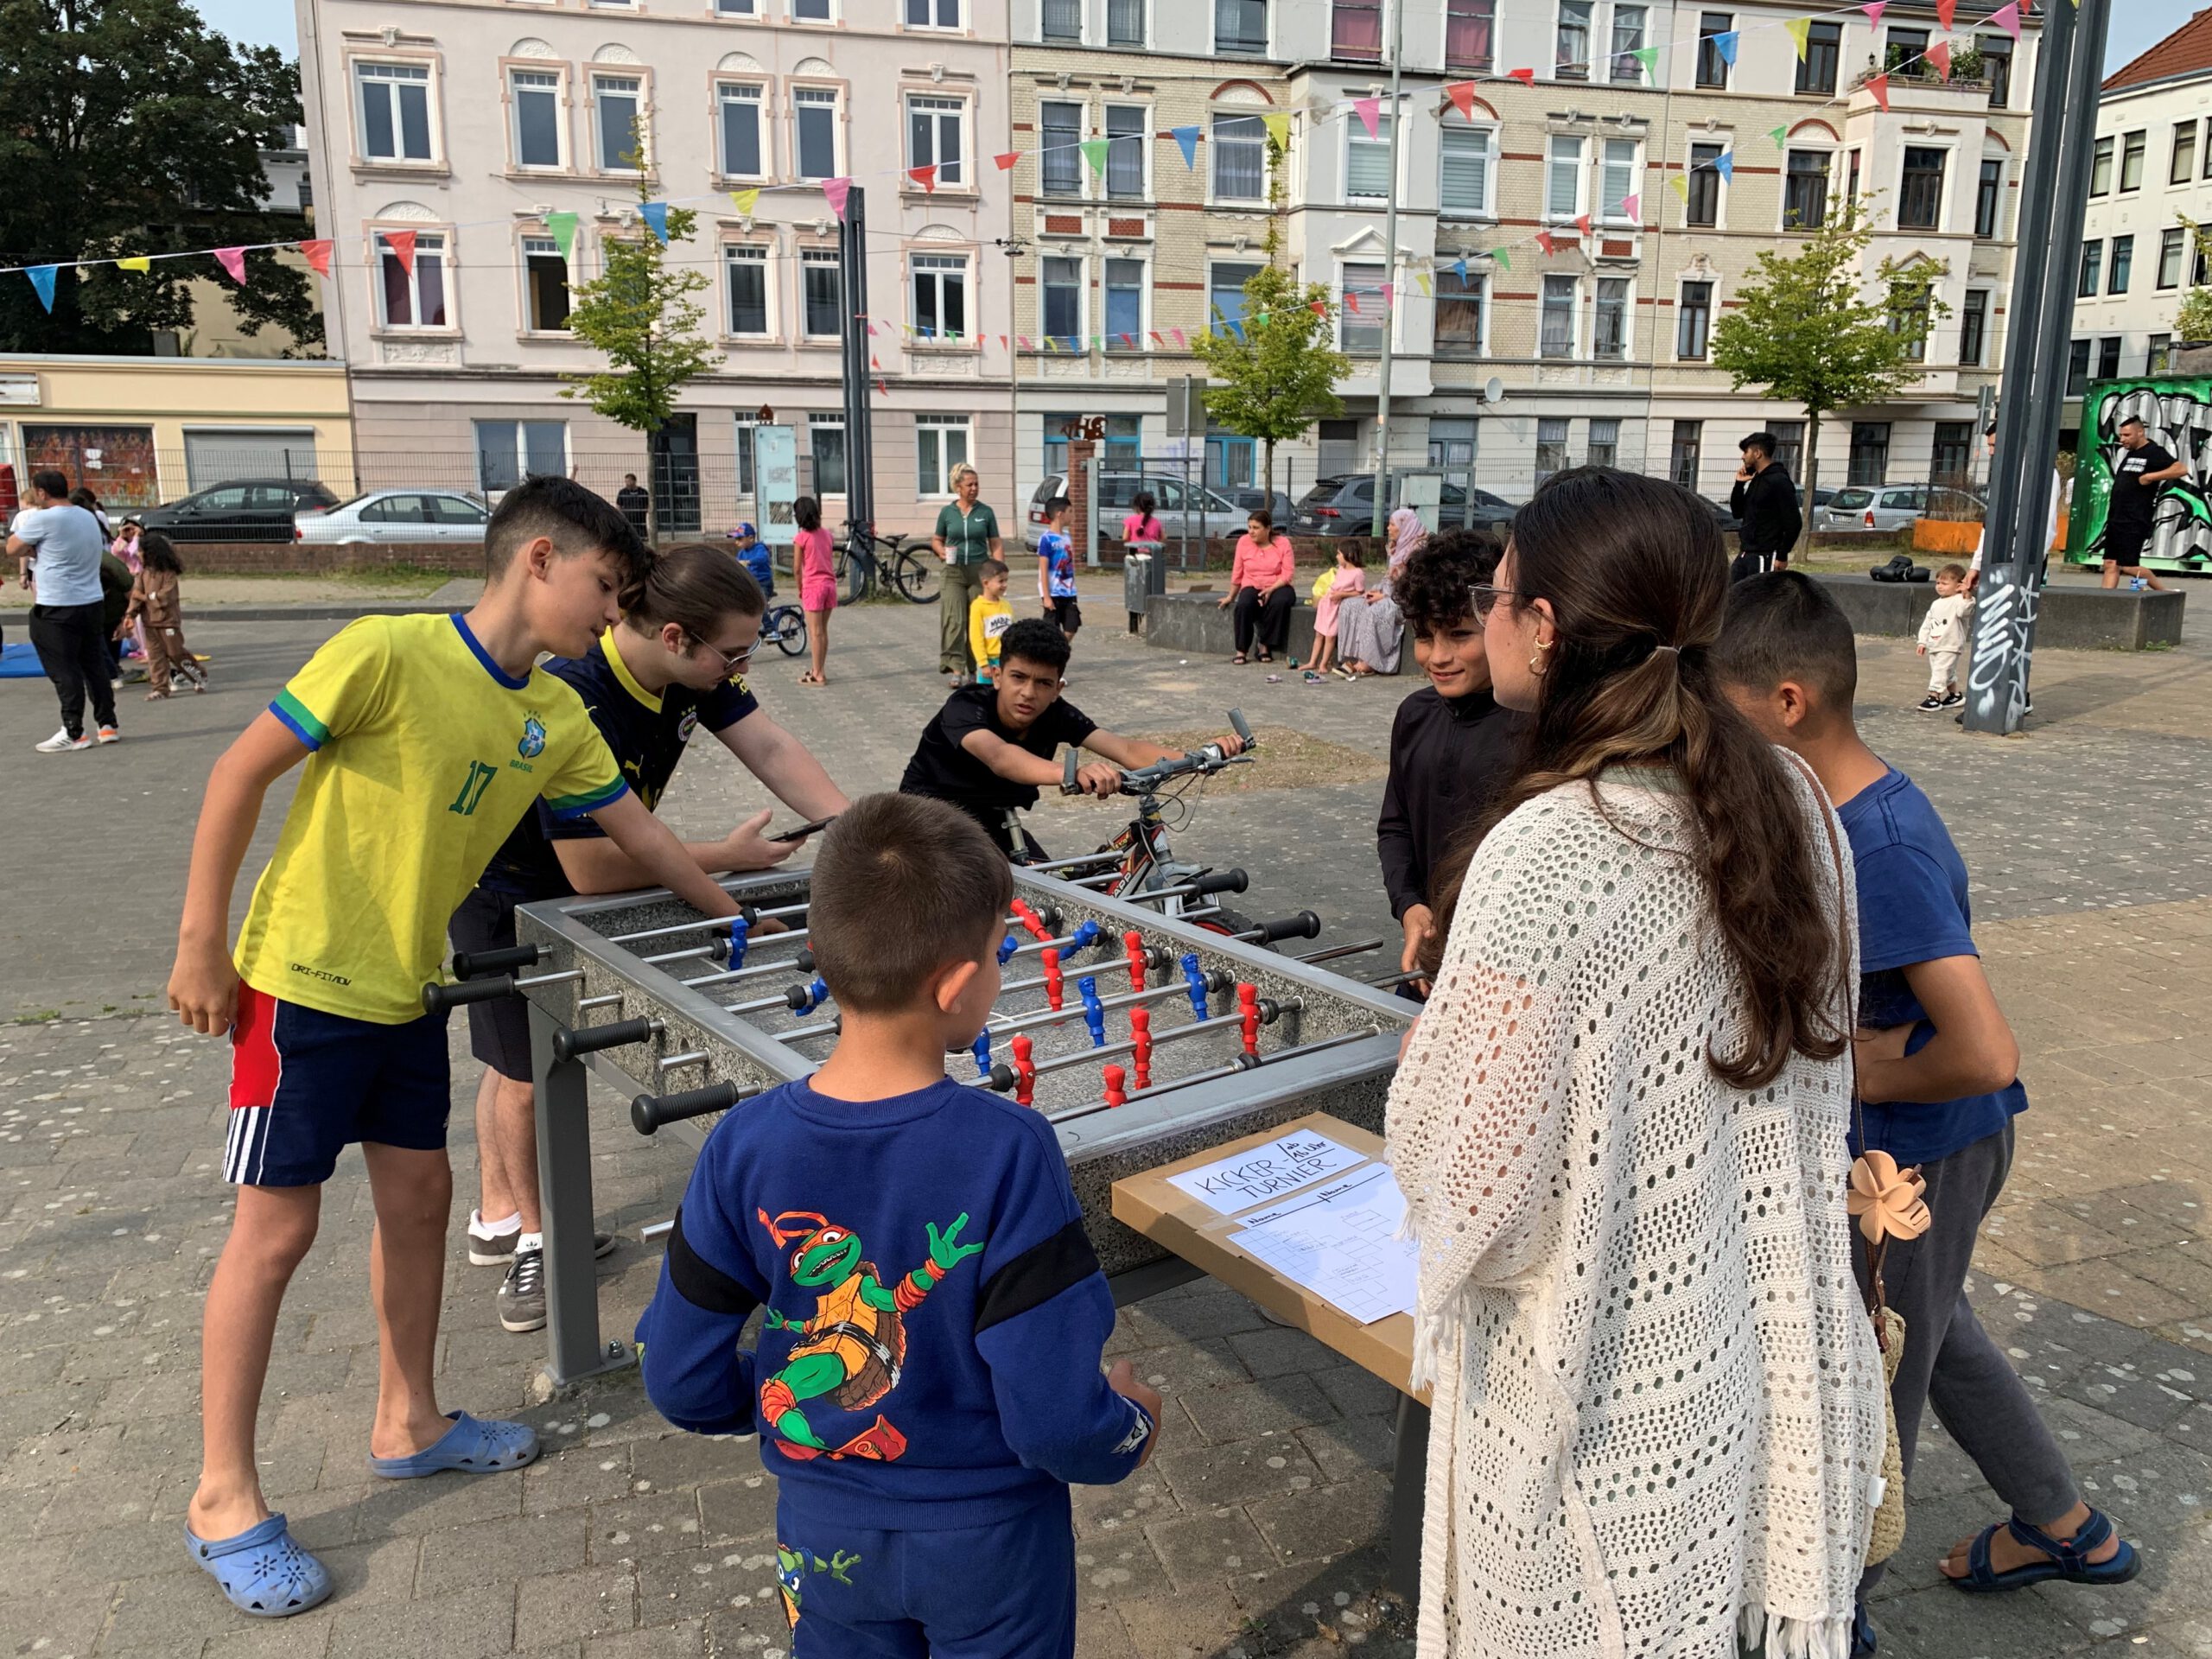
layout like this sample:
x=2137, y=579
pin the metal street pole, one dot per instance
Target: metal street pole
x=2055, y=193
x=1391, y=279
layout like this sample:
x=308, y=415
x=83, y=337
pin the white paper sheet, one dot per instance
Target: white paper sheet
x=1287, y=1164
x=1338, y=1242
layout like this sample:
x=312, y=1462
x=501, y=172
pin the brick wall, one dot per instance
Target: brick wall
x=294, y=559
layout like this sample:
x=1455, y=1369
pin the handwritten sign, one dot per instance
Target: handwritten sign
x=1269, y=1170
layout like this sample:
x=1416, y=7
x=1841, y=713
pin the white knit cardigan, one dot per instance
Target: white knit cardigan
x=1657, y=1401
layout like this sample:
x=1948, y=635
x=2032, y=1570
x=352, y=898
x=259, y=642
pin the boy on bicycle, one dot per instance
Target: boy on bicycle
x=991, y=748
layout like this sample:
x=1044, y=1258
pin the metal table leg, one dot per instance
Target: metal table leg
x=573, y=1349
x=1408, y=1496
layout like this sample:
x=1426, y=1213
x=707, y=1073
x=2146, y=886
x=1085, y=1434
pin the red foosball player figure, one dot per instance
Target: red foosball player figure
x=1248, y=1015
x=1133, y=942
x=1052, y=960
x=1030, y=919
x=1025, y=1072
x=1141, y=1032
x=1118, y=1092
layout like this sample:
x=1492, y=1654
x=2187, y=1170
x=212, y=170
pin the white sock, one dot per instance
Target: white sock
x=484, y=1228
x=529, y=1242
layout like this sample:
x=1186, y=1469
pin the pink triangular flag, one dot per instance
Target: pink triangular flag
x=317, y=254
x=1179, y=339
x=403, y=244
x=1007, y=160
x=1582, y=223
x=232, y=260
x=885, y=390
x=1155, y=336
x=2007, y=17
x=1879, y=85
x=924, y=176
x=1946, y=10
x=837, y=190
x=1024, y=338
x=1353, y=300
x=1632, y=205
x=1369, y=110
x=1874, y=9
x=1003, y=345
x=1320, y=308
x=1526, y=77
x=1462, y=94
x=1940, y=55
x=1544, y=241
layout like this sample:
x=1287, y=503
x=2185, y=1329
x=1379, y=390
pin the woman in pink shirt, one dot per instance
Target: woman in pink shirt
x=1260, y=587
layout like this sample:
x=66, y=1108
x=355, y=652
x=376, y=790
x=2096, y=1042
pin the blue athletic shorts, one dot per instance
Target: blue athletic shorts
x=1002, y=1591
x=305, y=1084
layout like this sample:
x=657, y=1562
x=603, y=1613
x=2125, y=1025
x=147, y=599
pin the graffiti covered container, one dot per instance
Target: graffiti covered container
x=2177, y=410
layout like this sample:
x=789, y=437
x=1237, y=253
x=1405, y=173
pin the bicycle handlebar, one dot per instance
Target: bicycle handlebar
x=1137, y=780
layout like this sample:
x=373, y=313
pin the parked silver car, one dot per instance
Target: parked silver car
x=1891, y=507
x=396, y=516
x=1207, y=513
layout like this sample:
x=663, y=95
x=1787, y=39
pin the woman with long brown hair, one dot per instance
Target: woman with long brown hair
x=1620, y=1128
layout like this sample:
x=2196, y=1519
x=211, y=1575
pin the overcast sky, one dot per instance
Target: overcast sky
x=2136, y=24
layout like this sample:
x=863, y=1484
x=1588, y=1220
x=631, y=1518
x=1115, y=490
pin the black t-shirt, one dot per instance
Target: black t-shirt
x=942, y=769
x=2131, y=498
x=647, y=734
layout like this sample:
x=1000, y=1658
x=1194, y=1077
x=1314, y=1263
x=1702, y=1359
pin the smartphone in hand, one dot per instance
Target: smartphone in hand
x=801, y=832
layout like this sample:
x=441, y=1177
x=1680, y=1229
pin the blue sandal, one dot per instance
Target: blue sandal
x=2068, y=1560
x=263, y=1571
x=474, y=1445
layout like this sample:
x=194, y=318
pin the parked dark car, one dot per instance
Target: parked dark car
x=239, y=510
x=1345, y=505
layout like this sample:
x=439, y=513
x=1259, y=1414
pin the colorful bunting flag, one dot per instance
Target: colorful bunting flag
x=42, y=279
x=1679, y=185
x=1006, y=160
x=1526, y=77
x=1369, y=110
x=1320, y=308
x=1544, y=241
x=1940, y=55
x=1800, y=31
x=2007, y=17
x=1421, y=276
x=1874, y=9
x=1632, y=206
x=1179, y=340
x=1024, y=338
x=924, y=176
x=1648, y=57
x=1946, y=10
x=1237, y=329
x=1724, y=165
x=140, y=262
x=1156, y=337
x=1094, y=152
x=1460, y=266
x=1186, y=140
x=562, y=227
x=837, y=190
x=1462, y=94
x=1879, y=85
x=745, y=201
x=1277, y=125
x=1002, y=342
x=1353, y=301
x=317, y=254
x=655, y=213
x=1128, y=342
x=1781, y=135
x=401, y=244
x=1505, y=259
x=233, y=261
x=1725, y=44
x=1582, y=223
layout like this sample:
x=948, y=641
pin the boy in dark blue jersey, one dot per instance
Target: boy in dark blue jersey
x=1938, y=1086
x=926, y=1383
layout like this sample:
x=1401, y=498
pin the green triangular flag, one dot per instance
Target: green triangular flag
x=563, y=229
x=1648, y=57
x=1781, y=135
x=1094, y=151
x=1504, y=262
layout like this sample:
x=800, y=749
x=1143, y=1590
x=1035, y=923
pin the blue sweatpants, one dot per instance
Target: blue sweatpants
x=1002, y=1592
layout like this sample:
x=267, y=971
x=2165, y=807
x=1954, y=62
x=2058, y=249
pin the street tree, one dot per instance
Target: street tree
x=2193, y=322
x=1810, y=327
x=1276, y=368
x=640, y=314
x=127, y=127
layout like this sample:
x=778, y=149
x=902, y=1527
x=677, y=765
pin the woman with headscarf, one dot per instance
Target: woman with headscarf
x=1369, y=629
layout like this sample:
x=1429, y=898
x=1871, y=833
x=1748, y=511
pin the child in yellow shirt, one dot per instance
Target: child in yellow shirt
x=989, y=618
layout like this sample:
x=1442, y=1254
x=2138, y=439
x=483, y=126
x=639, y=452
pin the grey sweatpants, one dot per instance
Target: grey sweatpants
x=1949, y=1361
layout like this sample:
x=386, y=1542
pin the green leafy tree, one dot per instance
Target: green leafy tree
x=127, y=127
x=641, y=314
x=1807, y=327
x=1278, y=370
x=2193, y=322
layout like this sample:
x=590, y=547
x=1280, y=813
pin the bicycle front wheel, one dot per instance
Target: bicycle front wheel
x=788, y=628
x=919, y=577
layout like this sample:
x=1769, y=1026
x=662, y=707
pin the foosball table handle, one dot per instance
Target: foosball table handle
x=619, y=1033
x=1220, y=882
x=469, y=965
x=438, y=998
x=1304, y=925
x=648, y=1112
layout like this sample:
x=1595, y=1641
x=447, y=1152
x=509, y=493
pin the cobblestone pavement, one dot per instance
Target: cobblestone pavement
x=1260, y=1527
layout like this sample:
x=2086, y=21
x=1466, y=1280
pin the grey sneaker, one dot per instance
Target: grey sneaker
x=522, y=1294
x=498, y=1252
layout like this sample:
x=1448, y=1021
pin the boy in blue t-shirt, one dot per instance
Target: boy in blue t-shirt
x=1938, y=1082
x=927, y=1378
x=1056, y=568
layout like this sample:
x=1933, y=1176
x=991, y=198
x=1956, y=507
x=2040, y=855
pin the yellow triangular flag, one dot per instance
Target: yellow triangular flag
x=1421, y=276
x=1680, y=185
x=1801, y=30
x=1279, y=128
x=135, y=262
x=747, y=200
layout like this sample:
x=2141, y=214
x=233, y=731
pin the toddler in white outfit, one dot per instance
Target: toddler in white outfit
x=1944, y=637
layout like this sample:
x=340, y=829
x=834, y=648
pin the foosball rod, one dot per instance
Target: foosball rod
x=1270, y=1011
x=1337, y=950
x=1237, y=1067
x=1216, y=983
x=747, y=914
x=1111, y=857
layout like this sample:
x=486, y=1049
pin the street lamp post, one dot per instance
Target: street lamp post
x=1390, y=280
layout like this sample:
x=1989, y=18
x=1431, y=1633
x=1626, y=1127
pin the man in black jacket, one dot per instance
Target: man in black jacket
x=1765, y=500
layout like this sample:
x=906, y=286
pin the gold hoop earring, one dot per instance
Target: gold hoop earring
x=1536, y=660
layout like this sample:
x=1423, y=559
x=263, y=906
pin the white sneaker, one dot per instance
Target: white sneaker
x=61, y=743
x=109, y=734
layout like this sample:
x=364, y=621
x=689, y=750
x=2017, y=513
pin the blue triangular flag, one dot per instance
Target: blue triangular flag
x=42, y=279
x=1725, y=44
x=1188, y=138
x=1724, y=164
x=1237, y=329
x=655, y=213
x=1460, y=265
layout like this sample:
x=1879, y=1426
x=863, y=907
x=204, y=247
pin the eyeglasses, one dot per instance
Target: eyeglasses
x=731, y=665
x=1486, y=597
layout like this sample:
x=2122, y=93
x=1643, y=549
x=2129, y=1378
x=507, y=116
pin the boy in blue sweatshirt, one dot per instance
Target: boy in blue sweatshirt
x=926, y=1381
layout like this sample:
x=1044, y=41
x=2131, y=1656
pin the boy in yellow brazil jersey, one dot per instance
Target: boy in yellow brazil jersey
x=426, y=739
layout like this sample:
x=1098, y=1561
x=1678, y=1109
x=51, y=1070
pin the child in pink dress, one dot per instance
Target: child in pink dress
x=813, y=558
x=1350, y=576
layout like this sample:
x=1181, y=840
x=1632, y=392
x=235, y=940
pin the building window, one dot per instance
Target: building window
x=814, y=108
x=416, y=298
x=932, y=13
x=1367, y=160
x=940, y=284
x=1988, y=195
x=1703, y=207
x=1951, y=460
x=1694, y=323
x=1609, y=338
x=1570, y=48
x=507, y=452
x=1908, y=316
x=2131, y=159
x=2161, y=356
x=825, y=441
x=1869, y=452
x=1063, y=20
x=1241, y=26
x=1555, y=329
x=1451, y=442
x=2123, y=264
x=1356, y=29
x=395, y=111
x=1240, y=158
x=1551, y=447
x=1712, y=64
x=1125, y=22
x=1920, y=193
x=1124, y=286
x=1851, y=187
x=1470, y=29
x=743, y=155
x=810, y=11
x=746, y=268
x=545, y=281
x=2092, y=271
x=1805, y=192
x=1563, y=179
x=940, y=445
x=537, y=118
x=1605, y=447
x=1629, y=36
x=1997, y=68
x=1973, y=328
x=1817, y=70
x=1464, y=171
x=1617, y=180
x=1459, y=313
x=1062, y=283
x=1127, y=128
x=2077, y=368
x=1789, y=446
x=1686, y=453
x=1363, y=328
x=2207, y=148
x=1905, y=53
x=2182, y=170
x=821, y=292
x=1061, y=127
x=1124, y=447
x=620, y=99
x=2170, y=252
x=1225, y=293
x=933, y=136
x=2108, y=358
x=2100, y=168
x=734, y=9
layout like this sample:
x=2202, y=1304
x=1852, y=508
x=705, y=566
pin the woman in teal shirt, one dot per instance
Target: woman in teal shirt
x=967, y=534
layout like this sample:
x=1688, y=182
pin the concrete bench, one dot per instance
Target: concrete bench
x=2070, y=616
x=1195, y=624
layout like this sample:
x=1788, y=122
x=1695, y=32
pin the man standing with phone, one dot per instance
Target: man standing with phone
x=1765, y=500
x=2137, y=471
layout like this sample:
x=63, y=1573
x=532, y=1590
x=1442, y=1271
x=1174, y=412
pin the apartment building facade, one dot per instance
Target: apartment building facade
x=452, y=139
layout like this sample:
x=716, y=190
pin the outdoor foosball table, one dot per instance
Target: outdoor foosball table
x=1143, y=1037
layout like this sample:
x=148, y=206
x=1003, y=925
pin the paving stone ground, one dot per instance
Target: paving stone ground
x=1261, y=1526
